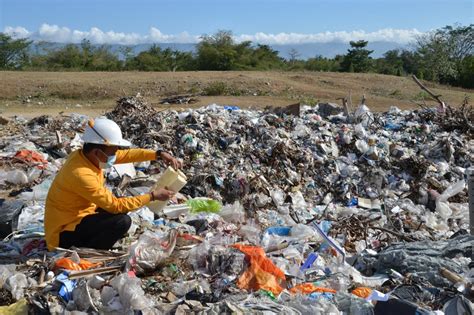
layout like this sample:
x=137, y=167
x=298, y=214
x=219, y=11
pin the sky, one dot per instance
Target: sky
x=261, y=21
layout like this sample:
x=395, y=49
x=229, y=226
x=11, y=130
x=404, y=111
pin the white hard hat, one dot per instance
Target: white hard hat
x=104, y=131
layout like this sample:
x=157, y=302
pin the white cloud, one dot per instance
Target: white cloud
x=55, y=33
x=388, y=35
x=156, y=36
x=17, y=32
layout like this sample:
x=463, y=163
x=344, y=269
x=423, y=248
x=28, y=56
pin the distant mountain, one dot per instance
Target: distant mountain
x=330, y=50
x=304, y=51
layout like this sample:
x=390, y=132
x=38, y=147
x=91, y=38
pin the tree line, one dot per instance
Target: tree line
x=444, y=55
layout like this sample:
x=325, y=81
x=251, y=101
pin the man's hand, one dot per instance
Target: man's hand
x=171, y=161
x=162, y=194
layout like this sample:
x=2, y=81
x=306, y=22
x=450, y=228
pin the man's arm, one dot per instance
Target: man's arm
x=135, y=155
x=141, y=155
x=89, y=188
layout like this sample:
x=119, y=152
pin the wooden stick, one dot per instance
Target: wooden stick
x=344, y=105
x=434, y=96
x=82, y=273
x=404, y=237
x=59, y=138
x=451, y=276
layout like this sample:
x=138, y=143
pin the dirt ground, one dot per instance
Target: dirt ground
x=36, y=93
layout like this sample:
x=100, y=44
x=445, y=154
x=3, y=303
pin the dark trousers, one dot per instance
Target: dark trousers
x=99, y=230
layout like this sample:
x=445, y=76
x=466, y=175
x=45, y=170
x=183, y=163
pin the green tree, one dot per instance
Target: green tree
x=411, y=62
x=466, y=75
x=127, y=54
x=216, y=52
x=175, y=60
x=358, y=57
x=67, y=57
x=320, y=63
x=150, y=60
x=102, y=59
x=400, y=71
x=443, y=52
x=351, y=68
x=157, y=59
x=265, y=58
x=13, y=52
x=87, y=53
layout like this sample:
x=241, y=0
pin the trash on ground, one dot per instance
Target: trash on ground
x=289, y=210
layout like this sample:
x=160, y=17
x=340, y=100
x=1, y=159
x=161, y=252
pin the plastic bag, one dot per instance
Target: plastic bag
x=32, y=157
x=362, y=292
x=204, y=205
x=15, y=177
x=18, y=308
x=6, y=271
x=360, y=131
x=131, y=293
x=307, y=288
x=31, y=218
x=16, y=285
x=362, y=146
x=278, y=196
x=39, y=191
x=198, y=255
x=9, y=212
x=233, y=213
x=302, y=232
x=442, y=204
x=110, y=300
x=262, y=273
x=151, y=250
x=364, y=115
x=67, y=263
x=181, y=288
x=298, y=201
x=250, y=231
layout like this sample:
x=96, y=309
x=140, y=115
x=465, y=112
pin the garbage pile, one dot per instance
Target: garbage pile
x=307, y=211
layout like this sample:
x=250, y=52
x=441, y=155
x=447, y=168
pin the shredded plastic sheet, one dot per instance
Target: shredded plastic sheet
x=69, y=264
x=307, y=288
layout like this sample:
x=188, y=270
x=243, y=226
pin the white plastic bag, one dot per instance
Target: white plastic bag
x=362, y=146
x=360, y=131
x=304, y=232
x=39, y=193
x=278, y=196
x=131, y=294
x=6, y=271
x=442, y=204
x=364, y=115
x=15, y=177
x=233, y=213
x=16, y=285
x=151, y=249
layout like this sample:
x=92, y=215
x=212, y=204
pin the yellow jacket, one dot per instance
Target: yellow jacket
x=79, y=189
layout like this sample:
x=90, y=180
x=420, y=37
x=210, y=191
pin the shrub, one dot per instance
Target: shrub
x=216, y=88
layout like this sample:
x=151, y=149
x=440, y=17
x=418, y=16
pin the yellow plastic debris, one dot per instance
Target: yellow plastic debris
x=18, y=308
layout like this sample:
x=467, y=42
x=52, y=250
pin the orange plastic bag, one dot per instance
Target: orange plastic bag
x=307, y=288
x=67, y=263
x=362, y=292
x=262, y=273
x=32, y=157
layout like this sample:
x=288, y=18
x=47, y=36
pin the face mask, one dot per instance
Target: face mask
x=110, y=161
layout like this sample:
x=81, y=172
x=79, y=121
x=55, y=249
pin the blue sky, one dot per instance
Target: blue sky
x=276, y=21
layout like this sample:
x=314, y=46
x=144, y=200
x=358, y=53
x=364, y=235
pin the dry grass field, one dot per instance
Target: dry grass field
x=34, y=93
